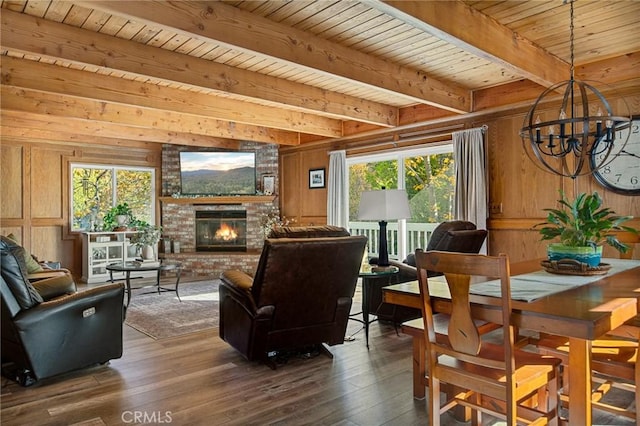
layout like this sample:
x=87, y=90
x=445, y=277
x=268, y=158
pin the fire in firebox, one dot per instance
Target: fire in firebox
x=226, y=233
x=221, y=230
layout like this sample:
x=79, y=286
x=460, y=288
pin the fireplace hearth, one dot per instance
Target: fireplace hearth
x=223, y=230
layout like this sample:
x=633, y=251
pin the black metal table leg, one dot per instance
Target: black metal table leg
x=128, y=281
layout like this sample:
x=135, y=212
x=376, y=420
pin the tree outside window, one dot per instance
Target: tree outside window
x=430, y=183
x=96, y=188
x=428, y=176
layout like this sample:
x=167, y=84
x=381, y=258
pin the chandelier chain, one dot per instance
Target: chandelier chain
x=571, y=36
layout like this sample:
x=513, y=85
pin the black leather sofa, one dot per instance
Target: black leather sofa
x=49, y=328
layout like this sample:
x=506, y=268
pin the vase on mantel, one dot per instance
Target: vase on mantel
x=148, y=253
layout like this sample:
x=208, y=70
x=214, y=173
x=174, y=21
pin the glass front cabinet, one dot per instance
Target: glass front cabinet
x=99, y=249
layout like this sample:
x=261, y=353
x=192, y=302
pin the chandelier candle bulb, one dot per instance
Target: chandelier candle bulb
x=563, y=116
x=609, y=124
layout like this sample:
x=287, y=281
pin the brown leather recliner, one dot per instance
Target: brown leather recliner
x=300, y=295
x=48, y=328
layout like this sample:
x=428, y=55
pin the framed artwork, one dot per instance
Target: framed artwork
x=268, y=185
x=316, y=178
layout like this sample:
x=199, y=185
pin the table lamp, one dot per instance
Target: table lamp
x=384, y=205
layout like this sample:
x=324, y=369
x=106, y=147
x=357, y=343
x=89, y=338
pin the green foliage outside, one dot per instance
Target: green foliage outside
x=93, y=194
x=429, y=180
x=134, y=188
x=241, y=180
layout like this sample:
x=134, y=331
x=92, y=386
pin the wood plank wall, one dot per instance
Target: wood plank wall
x=519, y=188
x=35, y=191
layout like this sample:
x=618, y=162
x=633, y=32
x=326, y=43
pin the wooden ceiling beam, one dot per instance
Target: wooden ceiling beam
x=30, y=101
x=506, y=94
x=477, y=33
x=238, y=29
x=71, y=82
x=33, y=133
x=611, y=70
x=46, y=127
x=60, y=42
x=613, y=74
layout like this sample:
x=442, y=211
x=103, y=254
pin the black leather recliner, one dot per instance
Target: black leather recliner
x=300, y=295
x=456, y=236
x=48, y=328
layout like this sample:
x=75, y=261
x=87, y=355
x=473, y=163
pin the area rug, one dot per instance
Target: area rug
x=161, y=316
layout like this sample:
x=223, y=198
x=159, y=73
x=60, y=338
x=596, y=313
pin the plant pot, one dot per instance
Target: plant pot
x=587, y=254
x=148, y=253
x=122, y=219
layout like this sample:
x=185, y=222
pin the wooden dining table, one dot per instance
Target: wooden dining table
x=582, y=314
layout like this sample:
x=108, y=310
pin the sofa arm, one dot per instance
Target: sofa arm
x=50, y=288
x=237, y=285
x=74, y=307
x=238, y=279
x=81, y=329
x=47, y=273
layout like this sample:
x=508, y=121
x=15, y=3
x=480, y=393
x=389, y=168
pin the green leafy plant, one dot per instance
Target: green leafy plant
x=110, y=221
x=584, y=222
x=148, y=235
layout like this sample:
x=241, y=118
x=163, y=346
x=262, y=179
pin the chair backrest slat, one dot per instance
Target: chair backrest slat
x=463, y=333
x=464, y=338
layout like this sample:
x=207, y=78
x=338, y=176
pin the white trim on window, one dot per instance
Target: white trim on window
x=114, y=168
x=413, y=152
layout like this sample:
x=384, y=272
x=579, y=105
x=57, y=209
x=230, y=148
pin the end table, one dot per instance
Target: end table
x=372, y=280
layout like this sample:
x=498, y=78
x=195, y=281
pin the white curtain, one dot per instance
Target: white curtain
x=338, y=190
x=471, y=186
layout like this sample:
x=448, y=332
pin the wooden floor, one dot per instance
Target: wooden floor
x=198, y=379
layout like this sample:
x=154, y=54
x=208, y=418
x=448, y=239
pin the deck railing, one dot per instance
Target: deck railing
x=418, y=235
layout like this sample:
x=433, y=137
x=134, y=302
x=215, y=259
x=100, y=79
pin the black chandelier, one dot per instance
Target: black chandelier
x=584, y=131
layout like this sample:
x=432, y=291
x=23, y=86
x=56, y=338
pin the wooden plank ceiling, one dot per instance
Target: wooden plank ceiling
x=211, y=73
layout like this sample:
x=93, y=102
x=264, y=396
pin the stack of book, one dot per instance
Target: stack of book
x=148, y=262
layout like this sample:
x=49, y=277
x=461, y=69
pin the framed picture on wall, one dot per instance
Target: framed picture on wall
x=316, y=178
x=268, y=185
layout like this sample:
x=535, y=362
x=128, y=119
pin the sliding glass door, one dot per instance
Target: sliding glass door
x=428, y=176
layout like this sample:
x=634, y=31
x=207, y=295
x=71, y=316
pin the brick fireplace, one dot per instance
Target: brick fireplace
x=221, y=230
x=178, y=216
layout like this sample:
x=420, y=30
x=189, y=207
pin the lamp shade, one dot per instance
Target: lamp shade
x=386, y=204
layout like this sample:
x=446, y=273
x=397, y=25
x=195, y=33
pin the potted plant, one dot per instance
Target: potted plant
x=118, y=217
x=272, y=220
x=146, y=238
x=583, y=225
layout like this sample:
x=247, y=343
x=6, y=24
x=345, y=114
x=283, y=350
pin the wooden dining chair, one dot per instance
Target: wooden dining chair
x=614, y=363
x=493, y=378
